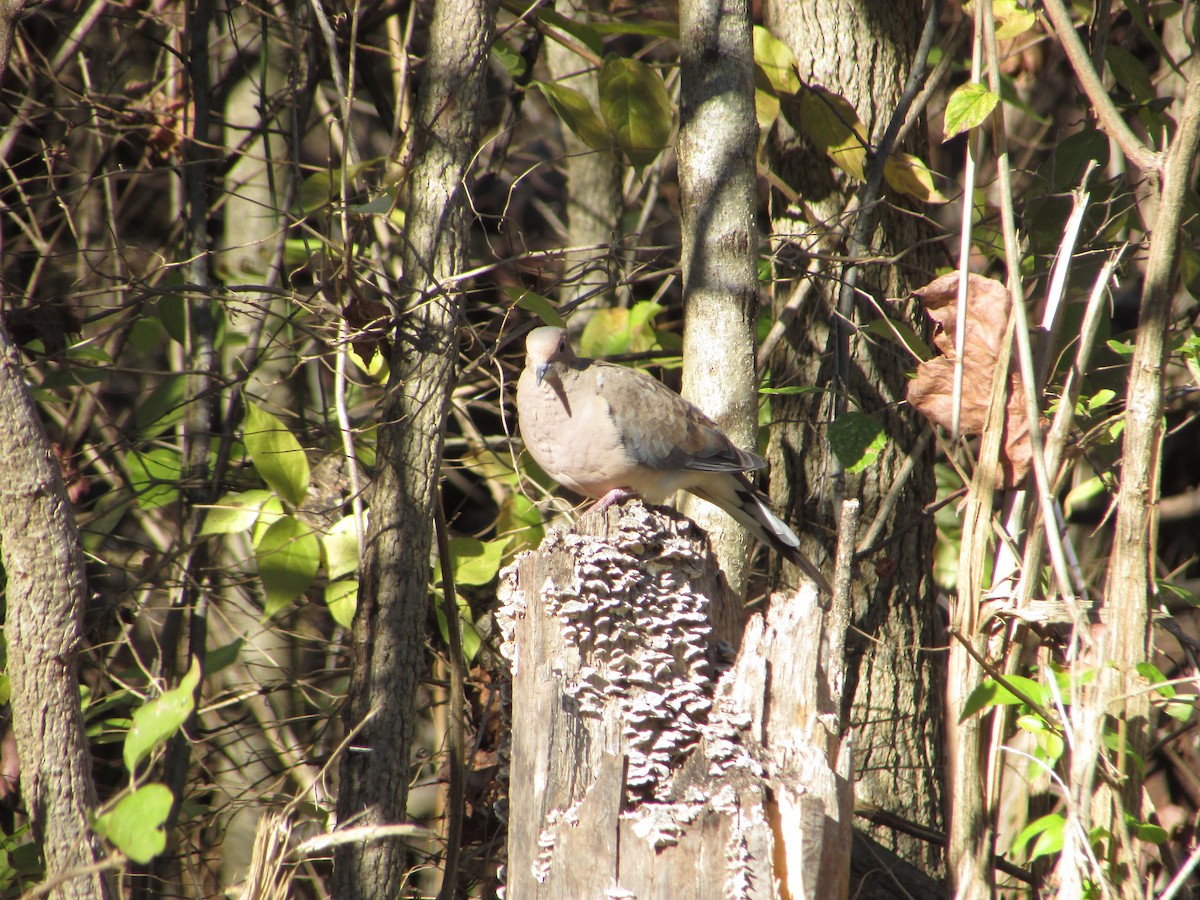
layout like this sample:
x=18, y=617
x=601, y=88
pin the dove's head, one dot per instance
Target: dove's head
x=545, y=346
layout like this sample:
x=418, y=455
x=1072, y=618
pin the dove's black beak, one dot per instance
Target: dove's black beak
x=540, y=370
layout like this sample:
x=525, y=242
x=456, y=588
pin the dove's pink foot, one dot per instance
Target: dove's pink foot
x=616, y=495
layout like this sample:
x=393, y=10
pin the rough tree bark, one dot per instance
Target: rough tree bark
x=641, y=763
x=45, y=596
x=862, y=49
x=387, y=650
x=718, y=140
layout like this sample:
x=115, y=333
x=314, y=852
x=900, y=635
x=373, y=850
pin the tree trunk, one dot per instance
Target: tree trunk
x=594, y=196
x=862, y=51
x=641, y=763
x=718, y=140
x=387, y=651
x=46, y=593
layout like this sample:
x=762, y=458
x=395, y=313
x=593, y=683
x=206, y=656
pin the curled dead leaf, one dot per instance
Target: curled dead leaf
x=932, y=390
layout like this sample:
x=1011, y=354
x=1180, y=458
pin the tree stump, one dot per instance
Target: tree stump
x=645, y=760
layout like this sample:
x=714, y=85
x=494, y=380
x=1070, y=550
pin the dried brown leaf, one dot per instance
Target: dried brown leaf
x=932, y=391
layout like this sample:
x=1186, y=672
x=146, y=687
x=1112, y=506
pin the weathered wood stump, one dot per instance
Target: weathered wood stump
x=646, y=761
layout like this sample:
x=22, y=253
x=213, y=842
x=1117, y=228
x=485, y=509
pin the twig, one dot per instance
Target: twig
x=1182, y=875
x=1046, y=498
x=457, y=732
x=1137, y=152
x=970, y=171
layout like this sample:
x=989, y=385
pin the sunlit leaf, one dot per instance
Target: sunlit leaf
x=577, y=114
x=1011, y=19
x=909, y=175
x=513, y=62
x=288, y=556
x=234, y=513
x=135, y=825
x=968, y=107
x=276, y=454
x=154, y=476
x=475, y=561
x=156, y=720
x=341, y=548
x=1049, y=832
x=993, y=693
x=856, y=439
x=831, y=123
x=341, y=599
x=540, y=306
x=471, y=642
x=776, y=61
x=636, y=108
x=520, y=521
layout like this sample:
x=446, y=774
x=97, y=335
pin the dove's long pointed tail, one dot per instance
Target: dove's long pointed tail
x=734, y=493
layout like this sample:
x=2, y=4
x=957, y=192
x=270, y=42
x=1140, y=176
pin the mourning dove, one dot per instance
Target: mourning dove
x=607, y=431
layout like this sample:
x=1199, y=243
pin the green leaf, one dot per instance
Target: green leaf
x=993, y=693
x=794, y=389
x=235, y=513
x=636, y=108
x=1100, y=399
x=901, y=333
x=513, y=62
x=222, y=657
x=160, y=718
x=766, y=102
x=1011, y=20
x=520, y=523
x=288, y=556
x=270, y=513
x=831, y=123
x=536, y=304
x=475, y=562
x=1064, y=170
x=968, y=107
x=1145, y=831
x=587, y=35
x=613, y=331
x=154, y=476
x=661, y=29
x=577, y=114
x=341, y=598
x=471, y=642
x=1049, y=833
x=316, y=191
x=341, y=565
x=162, y=409
x=776, y=60
x=856, y=438
x=1137, y=12
x=640, y=316
x=909, y=175
x=341, y=548
x=276, y=454
x=380, y=205
x=171, y=309
x=1130, y=73
x=135, y=825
